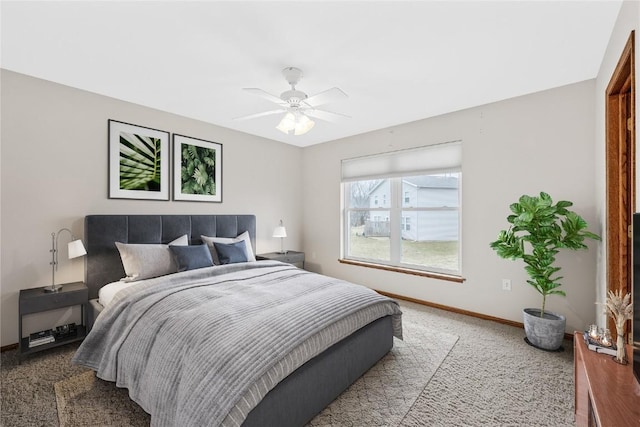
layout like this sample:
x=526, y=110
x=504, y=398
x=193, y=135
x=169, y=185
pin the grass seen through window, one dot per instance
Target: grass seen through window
x=438, y=254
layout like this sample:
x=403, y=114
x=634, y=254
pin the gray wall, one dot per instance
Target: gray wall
x=54, y=172
x=533, y=143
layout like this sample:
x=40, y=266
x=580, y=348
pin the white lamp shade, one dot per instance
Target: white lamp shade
x=303, y=125
x=280, y=231
x=76, y=249
x=287, y=124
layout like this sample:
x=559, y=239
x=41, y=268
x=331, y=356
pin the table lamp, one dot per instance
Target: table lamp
x=280, y=232
x=75, y=249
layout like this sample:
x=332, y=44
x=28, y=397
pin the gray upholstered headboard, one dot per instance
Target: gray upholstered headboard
x=103, y=264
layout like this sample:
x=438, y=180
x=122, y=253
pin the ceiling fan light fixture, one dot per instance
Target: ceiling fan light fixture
x=303, y=125
x=287, y=124
x=297, y=104
x=297, y=124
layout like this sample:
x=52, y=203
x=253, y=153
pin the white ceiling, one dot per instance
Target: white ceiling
x=399, y=61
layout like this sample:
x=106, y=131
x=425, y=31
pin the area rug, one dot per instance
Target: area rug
x=381, y=397
x=493, y=378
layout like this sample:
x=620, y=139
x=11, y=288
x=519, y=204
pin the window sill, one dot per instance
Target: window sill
x=440, y=276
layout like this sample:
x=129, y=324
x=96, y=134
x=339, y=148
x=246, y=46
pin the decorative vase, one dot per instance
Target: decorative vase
x=621, y=354
x=545, y=332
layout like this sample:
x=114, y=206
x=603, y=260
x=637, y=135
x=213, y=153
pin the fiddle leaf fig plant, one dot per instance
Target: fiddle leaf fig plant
x=538, y=230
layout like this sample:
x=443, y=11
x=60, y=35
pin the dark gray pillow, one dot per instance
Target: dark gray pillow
x=244, y=236
x=230, y=253
x=191, y=257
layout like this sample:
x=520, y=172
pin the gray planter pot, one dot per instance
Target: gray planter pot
x=545, y=332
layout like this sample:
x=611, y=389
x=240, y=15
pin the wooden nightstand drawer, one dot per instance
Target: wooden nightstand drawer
x=291, y=257
x=36, y=300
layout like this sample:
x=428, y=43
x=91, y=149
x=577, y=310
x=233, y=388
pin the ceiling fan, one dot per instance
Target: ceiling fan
x=297, y=106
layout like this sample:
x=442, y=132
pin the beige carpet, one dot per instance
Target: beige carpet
x=85, y=400
x=382, y=396
x=493, y=378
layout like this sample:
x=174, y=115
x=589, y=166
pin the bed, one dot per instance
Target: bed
x=320, y=369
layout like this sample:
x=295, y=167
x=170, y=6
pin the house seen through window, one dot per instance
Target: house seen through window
x=417, y=226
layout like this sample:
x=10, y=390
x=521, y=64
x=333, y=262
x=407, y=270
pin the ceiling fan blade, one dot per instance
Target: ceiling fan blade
x=327, y=116
x=265, y=95
x=329, y=95
x=255, y=116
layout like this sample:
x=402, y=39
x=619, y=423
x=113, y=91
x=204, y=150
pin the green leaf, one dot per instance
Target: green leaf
x=564, y=204
x=198, y=170
x=139, y=162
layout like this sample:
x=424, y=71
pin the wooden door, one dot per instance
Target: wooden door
x=620, y=133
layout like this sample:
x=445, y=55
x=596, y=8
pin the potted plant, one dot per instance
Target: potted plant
x=538, y=230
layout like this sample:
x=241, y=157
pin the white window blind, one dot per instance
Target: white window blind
x=428, y=159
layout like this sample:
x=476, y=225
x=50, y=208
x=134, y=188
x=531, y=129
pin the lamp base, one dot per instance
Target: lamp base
x=53, y=288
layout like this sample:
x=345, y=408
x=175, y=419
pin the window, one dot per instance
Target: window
x=419, y=228
x=406, y=223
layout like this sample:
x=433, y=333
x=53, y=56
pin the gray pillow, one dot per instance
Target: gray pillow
x=244, y=236
x=231, y=253
x=144, y=261
x=191, y=257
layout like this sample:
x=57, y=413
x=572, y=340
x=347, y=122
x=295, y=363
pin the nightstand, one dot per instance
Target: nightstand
x=36, y=300
x=291, y=257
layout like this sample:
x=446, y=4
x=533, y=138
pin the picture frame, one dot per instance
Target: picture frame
x=138, y=162
x=197, y=169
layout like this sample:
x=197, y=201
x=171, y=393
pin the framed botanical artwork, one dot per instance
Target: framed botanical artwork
x=197, y=169
x=138, y=162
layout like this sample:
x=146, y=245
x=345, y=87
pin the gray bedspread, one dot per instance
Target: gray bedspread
x=203, y=347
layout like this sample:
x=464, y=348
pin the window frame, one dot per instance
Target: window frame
x=397, y=225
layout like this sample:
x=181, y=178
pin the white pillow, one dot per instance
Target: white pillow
x=244, y=236
x=144, y=261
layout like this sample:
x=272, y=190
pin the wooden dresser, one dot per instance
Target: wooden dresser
x=607, y=393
